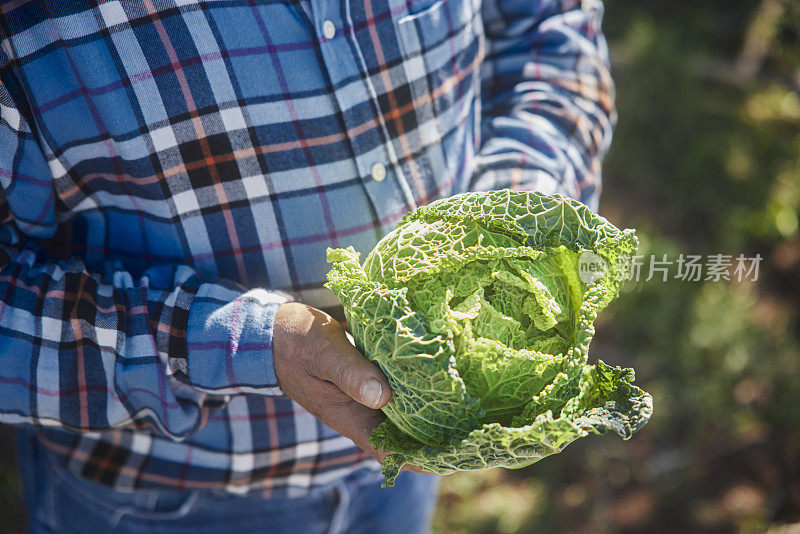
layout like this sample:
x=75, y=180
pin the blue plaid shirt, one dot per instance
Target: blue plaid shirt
x=171, y=171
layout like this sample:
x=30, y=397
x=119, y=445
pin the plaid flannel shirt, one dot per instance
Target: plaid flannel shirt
x=169, y=168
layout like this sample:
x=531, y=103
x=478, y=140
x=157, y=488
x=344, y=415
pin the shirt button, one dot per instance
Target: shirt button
x=328, y=29
x=378, y=172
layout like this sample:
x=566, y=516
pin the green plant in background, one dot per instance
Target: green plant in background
x=475, y=310
x=705, y=160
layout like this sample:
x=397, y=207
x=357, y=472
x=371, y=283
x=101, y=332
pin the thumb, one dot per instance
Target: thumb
x=356, y=376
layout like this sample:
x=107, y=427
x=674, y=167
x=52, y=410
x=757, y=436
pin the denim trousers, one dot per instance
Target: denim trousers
x=60, y=502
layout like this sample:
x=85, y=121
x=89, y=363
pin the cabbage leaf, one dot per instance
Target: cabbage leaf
x=475, y=309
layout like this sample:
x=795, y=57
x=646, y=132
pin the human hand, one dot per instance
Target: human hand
x=319, y=369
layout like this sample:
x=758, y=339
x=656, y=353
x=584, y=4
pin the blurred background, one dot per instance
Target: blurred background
x=705, y=160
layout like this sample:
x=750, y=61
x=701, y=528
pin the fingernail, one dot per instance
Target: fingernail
x=371, y=392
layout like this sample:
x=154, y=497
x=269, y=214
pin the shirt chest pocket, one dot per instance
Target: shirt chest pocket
x=441, y=46
x=439, y=29
x=441, y=41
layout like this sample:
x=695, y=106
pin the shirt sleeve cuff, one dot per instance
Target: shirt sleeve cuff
x=229, y=340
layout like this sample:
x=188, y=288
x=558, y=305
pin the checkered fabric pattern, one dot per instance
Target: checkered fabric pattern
x=171, y=171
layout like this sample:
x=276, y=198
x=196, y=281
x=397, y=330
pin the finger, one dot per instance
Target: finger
x=406, y=467
x=416, y=469
x=360, y=379
x=358, y=422
x=349, y=418
x=341, y=413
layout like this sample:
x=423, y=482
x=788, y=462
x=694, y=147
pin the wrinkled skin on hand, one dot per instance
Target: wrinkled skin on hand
x=318, y=368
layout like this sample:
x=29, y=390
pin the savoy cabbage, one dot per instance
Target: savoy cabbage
x=475, y=310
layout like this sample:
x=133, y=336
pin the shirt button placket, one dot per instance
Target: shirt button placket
x=344, y=62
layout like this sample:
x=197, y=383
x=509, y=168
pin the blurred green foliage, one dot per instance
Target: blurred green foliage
x=705, y=160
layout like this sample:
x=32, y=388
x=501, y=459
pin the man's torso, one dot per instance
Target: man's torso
x=243, y=139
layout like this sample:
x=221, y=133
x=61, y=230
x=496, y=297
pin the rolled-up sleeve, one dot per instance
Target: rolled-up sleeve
x=547, y=98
